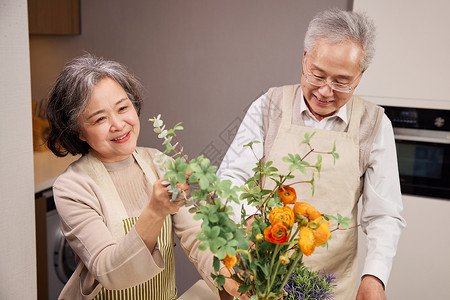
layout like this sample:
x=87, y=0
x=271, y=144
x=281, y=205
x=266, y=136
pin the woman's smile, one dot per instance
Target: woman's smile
x=122, y=139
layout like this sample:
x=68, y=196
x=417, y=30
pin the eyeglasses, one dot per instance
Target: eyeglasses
x=338, y=87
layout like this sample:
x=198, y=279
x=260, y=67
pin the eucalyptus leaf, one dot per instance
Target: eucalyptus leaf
x=221, y=253
x=220, y=280
x=216, y=264
x=203, y=246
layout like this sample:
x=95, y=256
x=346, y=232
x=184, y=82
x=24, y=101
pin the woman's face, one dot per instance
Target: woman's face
x=110, y=124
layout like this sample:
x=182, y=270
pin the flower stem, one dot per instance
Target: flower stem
x=292, y=268
x=273, y=274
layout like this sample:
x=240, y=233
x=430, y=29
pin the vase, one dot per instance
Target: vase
x=278, y=298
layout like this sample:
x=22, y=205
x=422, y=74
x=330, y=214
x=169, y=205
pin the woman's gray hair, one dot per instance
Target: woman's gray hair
x=71, y=94
x=336, y=26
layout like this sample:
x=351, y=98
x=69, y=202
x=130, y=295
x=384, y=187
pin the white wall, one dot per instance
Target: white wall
x=17, y=246
x=411, y=68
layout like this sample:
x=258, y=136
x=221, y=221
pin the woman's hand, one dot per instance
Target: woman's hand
x=160, y=201
x=158, y=208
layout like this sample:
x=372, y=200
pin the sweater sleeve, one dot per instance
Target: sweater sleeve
x=186, y=228
x=116, y=265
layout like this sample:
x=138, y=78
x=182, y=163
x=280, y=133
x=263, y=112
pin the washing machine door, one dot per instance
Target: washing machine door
x=63, y=258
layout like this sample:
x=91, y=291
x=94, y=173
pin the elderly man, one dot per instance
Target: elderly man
x=338, y=48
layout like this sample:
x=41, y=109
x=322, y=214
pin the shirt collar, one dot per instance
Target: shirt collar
x=341, y=113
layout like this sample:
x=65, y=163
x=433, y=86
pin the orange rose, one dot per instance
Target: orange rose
x=304, y=210
x=229, y=261
x=322, y=234
x=306, y=240
x=282, y=214
x=277, y=233
x=314, y=215
x=287, y=195
x=300, y=208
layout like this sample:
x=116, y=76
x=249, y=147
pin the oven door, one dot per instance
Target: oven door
x=423, y=162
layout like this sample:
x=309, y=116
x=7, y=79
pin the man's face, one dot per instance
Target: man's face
x=332, y=62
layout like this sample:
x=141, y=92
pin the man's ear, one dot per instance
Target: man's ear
x=304, y=56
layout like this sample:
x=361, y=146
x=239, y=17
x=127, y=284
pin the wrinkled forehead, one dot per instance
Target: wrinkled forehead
x=332, y=56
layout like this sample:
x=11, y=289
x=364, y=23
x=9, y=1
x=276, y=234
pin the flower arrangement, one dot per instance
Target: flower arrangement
x=264, y=252
x=308, y=285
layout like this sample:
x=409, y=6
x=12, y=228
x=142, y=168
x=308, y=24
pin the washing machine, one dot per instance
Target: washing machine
x=60, y=257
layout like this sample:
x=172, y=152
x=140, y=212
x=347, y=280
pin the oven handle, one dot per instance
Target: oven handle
x=422, y=135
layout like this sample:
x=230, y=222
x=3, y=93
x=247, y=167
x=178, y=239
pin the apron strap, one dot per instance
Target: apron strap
x=286, y=105
x=145, y=161
x=97, y=171
x=355, y=118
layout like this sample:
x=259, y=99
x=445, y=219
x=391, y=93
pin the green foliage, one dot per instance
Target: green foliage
x=334, y=153
x=259, y=270
x=309, y=285
x=308, y=137
x=202, y=172
x=342, y=221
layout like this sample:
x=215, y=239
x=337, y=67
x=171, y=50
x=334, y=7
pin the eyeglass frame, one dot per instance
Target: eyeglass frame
x=332, y=84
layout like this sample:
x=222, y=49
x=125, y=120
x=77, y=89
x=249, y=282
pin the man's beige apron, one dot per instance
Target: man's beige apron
x=337, y=189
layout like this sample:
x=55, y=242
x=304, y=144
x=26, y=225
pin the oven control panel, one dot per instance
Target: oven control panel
x=418, y=118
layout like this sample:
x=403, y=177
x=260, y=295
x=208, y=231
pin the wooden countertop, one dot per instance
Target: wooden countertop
x=47, y=167
x=199, y=291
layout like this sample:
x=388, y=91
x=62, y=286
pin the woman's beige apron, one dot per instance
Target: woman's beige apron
x=337, y=189
x=162, y=286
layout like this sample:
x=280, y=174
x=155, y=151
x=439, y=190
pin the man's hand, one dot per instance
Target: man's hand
x=371, y=288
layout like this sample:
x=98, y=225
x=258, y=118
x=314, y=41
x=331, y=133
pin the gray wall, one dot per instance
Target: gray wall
x=202, y=62
x=17, y=246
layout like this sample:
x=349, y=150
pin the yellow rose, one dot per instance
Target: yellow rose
x=229, y=261
x=304, y=210
x=322, y=234
x=306, y=240
x=300, y=209
x=282, y=214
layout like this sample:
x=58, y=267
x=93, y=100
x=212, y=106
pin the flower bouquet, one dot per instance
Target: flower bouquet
x=309, y=285
x=265, y=249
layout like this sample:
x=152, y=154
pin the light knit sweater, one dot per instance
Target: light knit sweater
x=85, y=196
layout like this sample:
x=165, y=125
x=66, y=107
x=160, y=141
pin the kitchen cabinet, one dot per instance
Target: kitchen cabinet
x=54, y=17
x=411, y=63
x=47, y=167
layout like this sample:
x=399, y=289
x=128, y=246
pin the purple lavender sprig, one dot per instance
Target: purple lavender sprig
x=308, y=285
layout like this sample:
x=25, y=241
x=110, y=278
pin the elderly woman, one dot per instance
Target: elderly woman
x=113, y=202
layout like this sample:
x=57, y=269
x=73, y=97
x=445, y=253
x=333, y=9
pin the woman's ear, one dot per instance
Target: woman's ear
x=81, y=136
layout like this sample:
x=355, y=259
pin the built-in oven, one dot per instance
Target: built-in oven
x=422, y=138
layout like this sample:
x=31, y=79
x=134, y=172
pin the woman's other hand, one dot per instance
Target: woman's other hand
x=232, y=286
